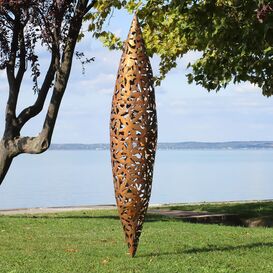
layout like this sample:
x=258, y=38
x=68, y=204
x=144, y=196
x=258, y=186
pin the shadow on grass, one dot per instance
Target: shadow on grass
x=196, y=250
x=256, y=209
x=226, y=248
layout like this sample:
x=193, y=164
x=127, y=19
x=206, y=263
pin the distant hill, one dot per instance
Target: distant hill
x=232, y=145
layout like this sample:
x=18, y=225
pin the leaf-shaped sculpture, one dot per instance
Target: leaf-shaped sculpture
x=133, y=135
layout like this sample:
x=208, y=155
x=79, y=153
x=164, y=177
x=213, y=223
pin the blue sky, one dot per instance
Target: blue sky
x=185, y=112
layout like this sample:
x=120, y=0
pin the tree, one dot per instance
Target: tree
x=234, y=38
x=24, y=25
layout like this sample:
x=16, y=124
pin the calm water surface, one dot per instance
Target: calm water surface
x=63, y=178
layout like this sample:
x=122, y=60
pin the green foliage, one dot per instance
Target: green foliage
x=235, y=46
x=92, y=241
x=98, y=16
x=110, y=40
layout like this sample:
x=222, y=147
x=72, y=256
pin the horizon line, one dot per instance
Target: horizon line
x=168, y=142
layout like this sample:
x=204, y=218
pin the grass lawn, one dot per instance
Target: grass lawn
x=92, y=241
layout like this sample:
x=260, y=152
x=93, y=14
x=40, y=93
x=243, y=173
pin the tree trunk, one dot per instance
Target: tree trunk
x=5, y=161
x=10, y=148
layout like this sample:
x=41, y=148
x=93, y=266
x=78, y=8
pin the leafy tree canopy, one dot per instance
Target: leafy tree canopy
x=235, y=38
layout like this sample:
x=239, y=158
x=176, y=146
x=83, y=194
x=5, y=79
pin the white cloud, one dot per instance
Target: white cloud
x=246, y=87
x=106, y=91
x=100, y=79
x=190, y=57
x=102, y=83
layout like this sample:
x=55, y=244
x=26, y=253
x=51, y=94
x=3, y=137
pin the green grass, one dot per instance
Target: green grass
x=81, y=242
x=247, y=210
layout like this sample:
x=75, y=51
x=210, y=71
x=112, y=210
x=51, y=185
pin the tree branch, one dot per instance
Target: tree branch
x=41, y=143
x=90, y=6
x=37, y=107
x=22, y=66
x=63, y=73
x=4, y=12
x=10, y=130
x=13, y=50
x=30, y=145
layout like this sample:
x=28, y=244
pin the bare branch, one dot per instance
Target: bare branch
x=17, y=32
x=61, y=77
x=90, y=6
x=13, y=50
x=37, y=107
x=63, y=73
x=41, y=143
x=4, y=12
x=22, y=66
x=10, y=128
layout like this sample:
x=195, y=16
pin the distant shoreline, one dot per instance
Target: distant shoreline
x=230, y=145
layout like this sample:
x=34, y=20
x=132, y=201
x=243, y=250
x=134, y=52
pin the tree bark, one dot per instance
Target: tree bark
x=5, y=161
x=10, y=148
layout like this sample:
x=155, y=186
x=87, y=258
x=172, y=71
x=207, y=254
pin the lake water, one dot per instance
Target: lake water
x=64, y=178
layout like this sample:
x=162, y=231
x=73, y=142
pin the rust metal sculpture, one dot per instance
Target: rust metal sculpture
x=133, y=135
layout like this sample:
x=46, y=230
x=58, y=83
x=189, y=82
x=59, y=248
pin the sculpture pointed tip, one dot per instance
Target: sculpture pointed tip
x=132, y=251
x=135, y=23
x=135, y=16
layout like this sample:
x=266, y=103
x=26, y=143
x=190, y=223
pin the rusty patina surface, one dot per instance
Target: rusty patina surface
x=133, y=135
